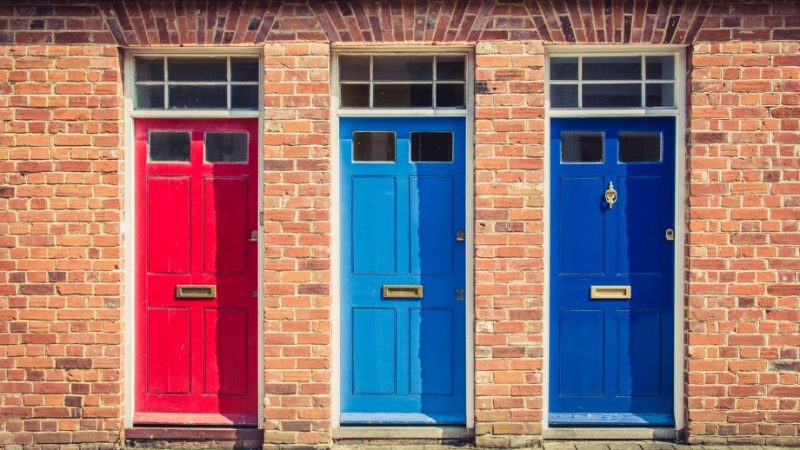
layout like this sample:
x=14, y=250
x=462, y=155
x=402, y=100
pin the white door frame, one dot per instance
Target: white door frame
x=128, y=230
x=679, y=112
x=336, y=112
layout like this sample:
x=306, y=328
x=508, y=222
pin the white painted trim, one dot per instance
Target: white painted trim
x=679, y=112
x=128, y=226
x=128, y=230
x=335, y=114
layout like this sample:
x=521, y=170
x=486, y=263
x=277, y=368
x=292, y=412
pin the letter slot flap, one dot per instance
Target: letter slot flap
x=611, y=292
x=195, y=291
x=402, y=291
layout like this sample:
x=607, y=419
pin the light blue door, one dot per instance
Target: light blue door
x=403, y=268
x=611, y=276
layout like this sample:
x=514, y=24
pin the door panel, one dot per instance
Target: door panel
x=403, y=357
x=612, y=358
x=196, y=355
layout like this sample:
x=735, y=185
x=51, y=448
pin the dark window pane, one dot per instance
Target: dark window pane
x=150, y=96
x=564, y=95
x=450, y=68
x=581, y=147
x=149, y=69
x=640, y=147
x=244, y=97
x=355, y=95
x=660, y=67
x=563, y=68
x=373, y=146
x=244, y=69
x=432, y=146
x=354, y=68
x=201, y=96
x=660, y=94
x=402, y=68
x=450, y=95
x=197, y=69
x=612, y=95
x=169, y=146
x=403, y=95
x=226, y=147
x=612, y=68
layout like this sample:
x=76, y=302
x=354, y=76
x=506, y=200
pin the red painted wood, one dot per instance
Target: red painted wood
x=196, y=359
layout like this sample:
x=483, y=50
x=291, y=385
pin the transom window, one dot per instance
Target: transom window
x=402, y=81
x=191, y=82
x=639, y=81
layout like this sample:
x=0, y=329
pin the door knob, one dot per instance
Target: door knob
x=611, y=195
x=460, y=236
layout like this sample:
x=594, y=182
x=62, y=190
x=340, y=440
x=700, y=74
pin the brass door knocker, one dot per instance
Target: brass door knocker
x=611, y=195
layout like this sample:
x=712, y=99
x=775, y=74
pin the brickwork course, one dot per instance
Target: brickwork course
x=62, y=321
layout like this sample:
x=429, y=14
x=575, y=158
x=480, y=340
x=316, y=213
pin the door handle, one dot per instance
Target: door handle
x=196, y=291
x=402, y=291
x=611, y=292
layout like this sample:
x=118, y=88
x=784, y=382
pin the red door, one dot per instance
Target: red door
x=196, y=310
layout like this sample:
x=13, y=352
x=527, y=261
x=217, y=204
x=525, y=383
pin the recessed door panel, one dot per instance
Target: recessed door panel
x=168, y=224
x=403, y=275
x=226, y=237
x=611, y=290
x=374, y=233
x=196, y=318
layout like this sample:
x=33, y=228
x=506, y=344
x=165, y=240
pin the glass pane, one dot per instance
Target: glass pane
x=373, y=146
x=197, y=69
x=403, y=95
x=612, y=68
x=149, y=69
x=200, y=96
x=660, y=94
x=563, y=68
x=168, y=145
x=402, y=68
x=354, y=68
x=564, y=95
x=355, y=95
x=660, y=67
x=244, y=69
x=640, y=147
x=450, y=95
x=244, y=96
x=612, y=95
x=150, y=96
x=450, y=68
x=432, y=146
x=226, y=147
x=581, y=147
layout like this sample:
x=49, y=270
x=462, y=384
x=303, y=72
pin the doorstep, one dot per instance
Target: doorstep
x=401, y=432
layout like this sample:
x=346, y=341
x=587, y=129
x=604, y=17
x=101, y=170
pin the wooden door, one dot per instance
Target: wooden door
x=196, y=310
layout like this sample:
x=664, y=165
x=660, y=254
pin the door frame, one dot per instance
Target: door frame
x=336, y=211
x=679, y=113
x=128, y=223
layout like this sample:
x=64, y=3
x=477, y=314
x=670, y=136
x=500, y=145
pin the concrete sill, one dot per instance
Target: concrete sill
x=194, y=433
x=401, y=432
x=638, y=433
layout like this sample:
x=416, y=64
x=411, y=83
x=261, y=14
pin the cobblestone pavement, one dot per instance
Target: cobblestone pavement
x=648, y=446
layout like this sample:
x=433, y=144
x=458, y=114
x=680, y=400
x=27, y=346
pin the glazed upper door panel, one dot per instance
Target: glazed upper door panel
x=196, y=322
x=611, y=315
x=403, y=269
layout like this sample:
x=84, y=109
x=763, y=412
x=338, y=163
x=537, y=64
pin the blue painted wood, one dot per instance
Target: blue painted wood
x=612, y=360
x=403, y=360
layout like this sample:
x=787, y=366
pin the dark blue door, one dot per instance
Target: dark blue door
x=611, y=279
x=402, y=274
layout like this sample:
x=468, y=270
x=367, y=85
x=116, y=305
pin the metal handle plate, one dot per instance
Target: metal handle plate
x=611, y=292
x=402, y=291
x=195, y=291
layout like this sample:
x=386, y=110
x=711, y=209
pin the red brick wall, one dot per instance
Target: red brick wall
x=509, y=277
x=60, y=246
x=743, y=244
x=297, y=179
x=61, y=293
